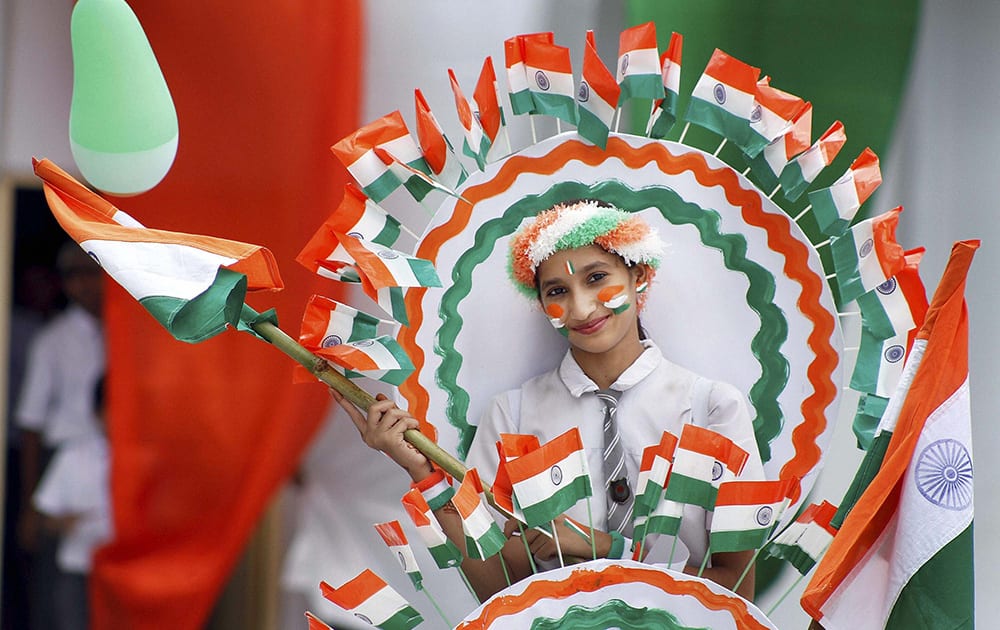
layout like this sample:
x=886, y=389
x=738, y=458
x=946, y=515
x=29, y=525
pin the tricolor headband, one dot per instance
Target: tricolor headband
x=575, y=225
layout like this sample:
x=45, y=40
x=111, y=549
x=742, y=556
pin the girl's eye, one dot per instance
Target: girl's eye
x=597, y=276
x=555, y=291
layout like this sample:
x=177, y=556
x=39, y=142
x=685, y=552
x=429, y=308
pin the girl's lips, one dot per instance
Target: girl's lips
x=592, y=326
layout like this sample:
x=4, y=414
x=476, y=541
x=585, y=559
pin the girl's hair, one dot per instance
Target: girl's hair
x=580, y=223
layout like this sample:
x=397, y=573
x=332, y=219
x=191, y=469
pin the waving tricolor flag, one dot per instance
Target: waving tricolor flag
x=193, y=285
x=517, y=75
x=867, y=255
x=510, y=446
x=723, y=101
x=550, y=79
x=665, y=110
x=483, y=538
x=774, y=111
x=358, y=216
x=654, y=514
x=550, y=480
x=639, y=70
x=328, y=323
x=804, y=541
x=438, y=152
x=444, y=552
x=835, y=207
x=394, y=538
x=381, y=358
x=371, y=600
x=804, y=169
x=385, y=271
x=487, y=110
x=903, y=558
x=702, y=461
x=769, y=163
x=597, y=96
x=899, y=304
x=476, y=144
x=745, y=513
x=356, y=152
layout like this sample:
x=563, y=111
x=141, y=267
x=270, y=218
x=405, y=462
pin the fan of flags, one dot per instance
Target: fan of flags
x=195, y=287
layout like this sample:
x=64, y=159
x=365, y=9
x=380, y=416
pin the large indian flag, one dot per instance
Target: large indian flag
x=371, y=600
x=550, y=480
x=194, y=285
x=903, y=556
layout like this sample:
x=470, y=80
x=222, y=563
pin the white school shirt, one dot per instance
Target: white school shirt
x=65, y=361
x=656, y=397
x=76, y=483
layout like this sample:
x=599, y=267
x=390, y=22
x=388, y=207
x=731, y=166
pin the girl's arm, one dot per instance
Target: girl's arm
x=726, y=569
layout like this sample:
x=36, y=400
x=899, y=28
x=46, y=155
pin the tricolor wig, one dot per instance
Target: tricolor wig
x=579, y=224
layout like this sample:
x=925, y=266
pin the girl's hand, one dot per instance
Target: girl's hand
x=571, y=543
x=382, y=429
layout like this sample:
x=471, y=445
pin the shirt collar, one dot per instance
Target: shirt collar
x=578, y=383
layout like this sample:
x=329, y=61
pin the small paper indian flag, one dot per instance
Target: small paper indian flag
x=835, y=207
x=356, y=215
x=437, y=149
x=521, y=101
x=371, y=600
x=798, y=174
x=487, y=110
x=550, y=79
x=897, y=305
x=483, y=537
x=328, y=323
x=510, y=446
x=880, y=363
x=867, y=255
x=653, y=471
x=665, y=112
x=639, y=71
x=701, y=460
x=774, y=111
x=385, y=267
x=193, y=285
x=746, y=512
x=596, y=97
x=768, y=164
x=804, y=541
x=476, y=144
x=551, y=479
x=444, y=552
x=393, y=536
x=381, y=358
x=356, y=152
x=723, y=101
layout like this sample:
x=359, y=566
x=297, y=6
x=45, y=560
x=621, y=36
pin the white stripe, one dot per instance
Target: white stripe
x=869, y=268
x=540, y=487
x=667, y=508
x=158, y=269
x=432, y=534
x=599, y=107
x=897, y=309
x=517, y=78
x=367, y=168
x=672, y=76
x=811, y=163
x=124, y=219
x=403, y=148
x=560, y=83
x=845, y=196
x=640, y=61
x=382, y=605
x=814, y=540
x=770, y=125
x=792, y=534
x=693, y=464
x=889, y=373
x=658, y=471
x=478, y=523
x=404, y=555
x=891, y=414
x=738, y=518
x=737, y=103
x=373, y=349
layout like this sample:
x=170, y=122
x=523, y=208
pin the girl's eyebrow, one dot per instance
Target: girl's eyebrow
x=597, y=264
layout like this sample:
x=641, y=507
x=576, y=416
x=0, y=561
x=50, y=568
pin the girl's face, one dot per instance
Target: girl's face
x=590, y=295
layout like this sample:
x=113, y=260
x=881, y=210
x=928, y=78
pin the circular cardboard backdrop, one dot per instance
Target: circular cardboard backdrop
x=740, y=297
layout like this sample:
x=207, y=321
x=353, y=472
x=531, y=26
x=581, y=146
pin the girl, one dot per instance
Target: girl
x=589, y=266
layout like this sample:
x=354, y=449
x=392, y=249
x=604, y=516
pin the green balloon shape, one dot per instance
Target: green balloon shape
x=122, y=122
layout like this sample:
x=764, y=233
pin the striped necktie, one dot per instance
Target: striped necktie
x=620, y=499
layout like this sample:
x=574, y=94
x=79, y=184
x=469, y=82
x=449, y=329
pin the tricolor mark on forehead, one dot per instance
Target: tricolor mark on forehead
x=569, y=267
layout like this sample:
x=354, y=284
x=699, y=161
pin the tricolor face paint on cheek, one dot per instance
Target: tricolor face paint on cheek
x=615, y=298
x=556, y=315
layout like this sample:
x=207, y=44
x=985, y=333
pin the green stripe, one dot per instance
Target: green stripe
x=613, y=613
x=873, y=315
x=382, y=187
x=205, y=315
x=765, y=345
x=663, y=123
x=561, y=106
x=446, y=555
x=941, y=594
x=396, y=351
x=871, y=408
x=592, y=128
x=521, y=102
x=404, y=619
x=738, y=540
x=438, y=502
x=762, y=172
x=365, y=326
x=397, y=305
x=826, y=213
x=728, y=125
x=668, y=525
x=691, y=491
x=844, y=252
x=866, y=472
x=864, y=378
x=793, y=181
x=417, y=187
x=650, y=498
x=794, y=554
x=565, y=498
x=479, y=157
x=491, y=542
x=641, y=86
x=424, y=272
